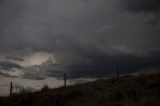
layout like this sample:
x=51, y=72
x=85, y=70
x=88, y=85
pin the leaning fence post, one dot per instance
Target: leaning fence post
x=11, y=87
x=117, y=70
x=65, y=80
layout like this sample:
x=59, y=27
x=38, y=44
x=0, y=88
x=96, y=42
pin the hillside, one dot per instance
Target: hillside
x=143, y=90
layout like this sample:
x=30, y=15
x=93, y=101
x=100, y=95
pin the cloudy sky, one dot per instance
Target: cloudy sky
x=83, y=38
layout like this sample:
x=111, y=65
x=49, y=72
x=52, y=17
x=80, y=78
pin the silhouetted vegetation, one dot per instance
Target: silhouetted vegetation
x=143, y=90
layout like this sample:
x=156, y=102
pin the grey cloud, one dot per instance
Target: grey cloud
x=34, y=72
x=8, y=65
x=63, y=31
x=83, y=37
x=103, y=65
x=7, y=75
x=32, y=76
x=94, y=63
x=14, y=58
x=86, y=1
x=142, y=5
x=9, y=10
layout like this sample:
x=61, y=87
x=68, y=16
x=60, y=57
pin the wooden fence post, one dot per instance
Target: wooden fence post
x=11, y=88
x=117, y=70
x=65, y=80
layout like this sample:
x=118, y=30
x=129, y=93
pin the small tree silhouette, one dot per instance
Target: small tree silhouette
x=45, y=87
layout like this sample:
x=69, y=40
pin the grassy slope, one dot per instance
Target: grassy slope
x=128, y=91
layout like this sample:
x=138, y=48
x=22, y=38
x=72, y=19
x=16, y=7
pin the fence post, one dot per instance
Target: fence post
x=65, y=80
x=11, y=87
x=117, y=70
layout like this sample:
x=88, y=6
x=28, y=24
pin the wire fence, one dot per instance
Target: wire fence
x=13, y=87
x=30, y=86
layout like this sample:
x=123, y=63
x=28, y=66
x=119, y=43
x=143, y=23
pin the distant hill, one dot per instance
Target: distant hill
x=142, y=90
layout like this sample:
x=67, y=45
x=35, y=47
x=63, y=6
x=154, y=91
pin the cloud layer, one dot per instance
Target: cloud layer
x=143, y=5
x=86, y=37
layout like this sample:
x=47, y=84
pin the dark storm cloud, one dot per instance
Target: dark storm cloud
x=7, y=75
x=86, y=1
x=8, y=65
x=32, y=76
x=97, y=64
x=142, y=5
x=9, y=10
x=87, y=40
x=14, y=58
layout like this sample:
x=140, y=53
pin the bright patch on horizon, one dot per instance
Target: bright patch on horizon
x=13, y=72
x=38, y=58
x=35, y=58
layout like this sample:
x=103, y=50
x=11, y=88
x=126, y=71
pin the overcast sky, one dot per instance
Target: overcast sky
x=83, y=38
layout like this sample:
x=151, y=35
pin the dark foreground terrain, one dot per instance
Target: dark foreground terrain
x=143, y=90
